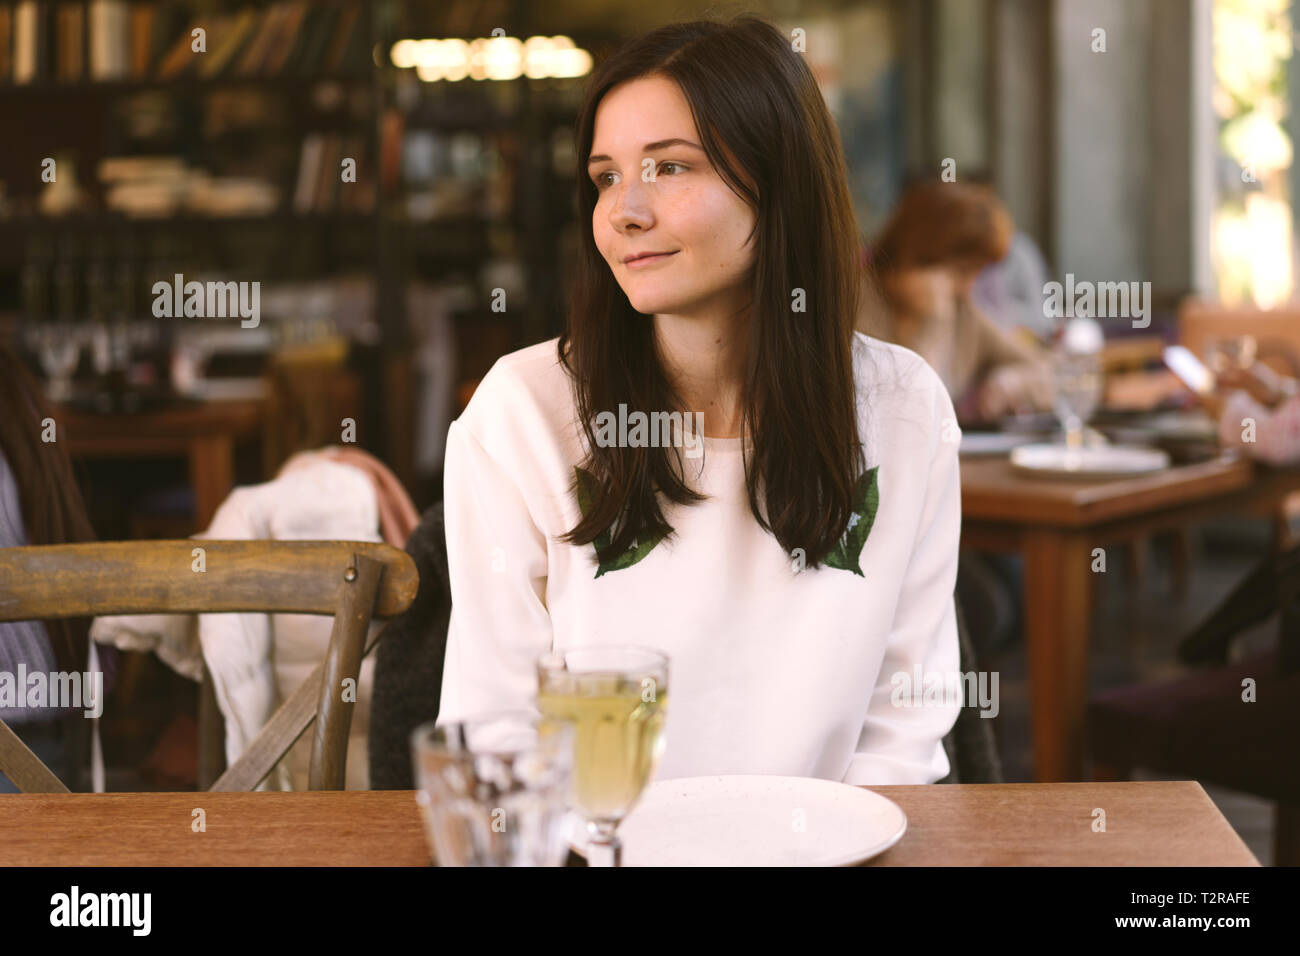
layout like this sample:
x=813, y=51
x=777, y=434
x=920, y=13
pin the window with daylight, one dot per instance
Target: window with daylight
x=1252, y=233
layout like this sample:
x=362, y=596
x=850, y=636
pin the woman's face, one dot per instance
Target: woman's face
x=657, y=192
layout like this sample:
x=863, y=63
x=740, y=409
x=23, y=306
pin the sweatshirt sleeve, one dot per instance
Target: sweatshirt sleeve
x=497, y=563
x=904, y=744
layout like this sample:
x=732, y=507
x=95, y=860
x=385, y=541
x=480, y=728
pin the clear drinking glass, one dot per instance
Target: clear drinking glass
x=1078, y=379
x=58, y=346
x=494, y=791
x=616, y=698
x=1232, y=353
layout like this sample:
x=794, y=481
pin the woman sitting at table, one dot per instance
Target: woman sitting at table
x=938, y=240
x=794, y=553
x=39, y=504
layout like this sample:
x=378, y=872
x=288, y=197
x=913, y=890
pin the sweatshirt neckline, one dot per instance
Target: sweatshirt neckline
x=725, y=444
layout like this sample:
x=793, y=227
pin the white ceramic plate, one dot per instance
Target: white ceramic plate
x=754, y=820
x=1104, y=461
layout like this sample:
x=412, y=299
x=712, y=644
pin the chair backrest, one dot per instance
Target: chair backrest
x=1277, y=331
x=409, y=662
x=352, y=580
x=971, y=745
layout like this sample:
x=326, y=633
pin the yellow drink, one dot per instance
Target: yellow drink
x=618, y=738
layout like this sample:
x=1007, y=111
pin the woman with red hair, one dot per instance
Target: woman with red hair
x=939, y=238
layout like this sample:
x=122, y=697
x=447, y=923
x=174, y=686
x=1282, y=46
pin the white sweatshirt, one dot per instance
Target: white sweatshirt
x=772, y=670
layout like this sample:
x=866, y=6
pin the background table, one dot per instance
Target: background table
x=1147, y=824
x=205, y=434
x=1055, y=524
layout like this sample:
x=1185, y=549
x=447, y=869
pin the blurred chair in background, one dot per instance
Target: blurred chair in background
x=1235, y=723
x=310, y=394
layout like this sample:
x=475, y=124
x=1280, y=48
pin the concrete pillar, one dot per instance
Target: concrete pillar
x=1020, y=115
x=1101, y=186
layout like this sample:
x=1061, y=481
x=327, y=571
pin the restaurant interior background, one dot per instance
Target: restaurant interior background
x=1156, y=151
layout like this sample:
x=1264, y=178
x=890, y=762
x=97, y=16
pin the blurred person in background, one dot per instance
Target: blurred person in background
x=1258, y=411
x=939, y=239
x=40, y=503
x=1010, y=291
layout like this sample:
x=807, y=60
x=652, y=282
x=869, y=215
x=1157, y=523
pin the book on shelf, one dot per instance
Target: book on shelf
x=142, y=22
x=351, y=51
x=6, y=42
x=168, y=21
x=67, y=41
x=257, y=51
x=309, y=161
x=348, y=25
x=361, y=194
x=222, y=48
x=327, y=183
x=308, y=53
x=71, y=44
x=220, y=32
x=320, y=187
x=286, y=39
x=109, y=39
x=30, y=31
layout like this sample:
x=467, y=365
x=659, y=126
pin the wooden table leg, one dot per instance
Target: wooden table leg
x=212, y=475
x=1058, y=621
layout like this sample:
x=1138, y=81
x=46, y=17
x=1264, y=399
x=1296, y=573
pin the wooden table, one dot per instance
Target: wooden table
x=205, y=434
x=1147, y=824
x=1055, y=525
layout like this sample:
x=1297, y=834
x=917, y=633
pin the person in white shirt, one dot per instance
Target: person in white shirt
x=794, y=552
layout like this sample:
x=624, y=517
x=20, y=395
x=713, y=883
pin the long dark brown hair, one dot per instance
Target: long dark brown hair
x=754, y=97
x=53, y=511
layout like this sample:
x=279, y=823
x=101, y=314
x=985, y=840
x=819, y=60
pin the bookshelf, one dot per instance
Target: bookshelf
x=460, y=176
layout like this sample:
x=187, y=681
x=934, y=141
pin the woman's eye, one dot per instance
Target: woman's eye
x=601, y=179
x=677, y=167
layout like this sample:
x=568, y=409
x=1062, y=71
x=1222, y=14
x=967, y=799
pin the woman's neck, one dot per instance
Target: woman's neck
x=704, y=359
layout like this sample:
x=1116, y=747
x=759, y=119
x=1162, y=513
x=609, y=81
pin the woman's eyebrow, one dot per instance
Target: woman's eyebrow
x=651, y=148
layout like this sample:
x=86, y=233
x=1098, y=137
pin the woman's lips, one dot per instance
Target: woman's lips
x=645, y=261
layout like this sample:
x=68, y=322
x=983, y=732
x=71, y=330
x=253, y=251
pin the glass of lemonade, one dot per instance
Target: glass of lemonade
x=615, y=697
x=494, y=791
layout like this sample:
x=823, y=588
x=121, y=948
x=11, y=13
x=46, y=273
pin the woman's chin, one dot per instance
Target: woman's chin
x=649, y=305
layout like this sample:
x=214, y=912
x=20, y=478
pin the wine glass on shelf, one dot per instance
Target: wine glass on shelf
x=615, y=696
x=58, y=346
x=494, y=790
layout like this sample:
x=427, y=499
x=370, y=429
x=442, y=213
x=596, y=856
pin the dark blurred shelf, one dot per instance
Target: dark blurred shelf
x=102, y=220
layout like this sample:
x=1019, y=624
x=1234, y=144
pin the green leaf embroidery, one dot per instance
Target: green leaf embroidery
x=635, y=552
x=847, y=552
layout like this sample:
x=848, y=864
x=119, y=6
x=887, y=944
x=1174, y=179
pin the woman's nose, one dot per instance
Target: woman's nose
x=632, y=207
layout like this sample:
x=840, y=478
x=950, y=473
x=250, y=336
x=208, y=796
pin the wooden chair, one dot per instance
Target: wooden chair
x=1199, y=726
x=310, y=391
x=354, y=581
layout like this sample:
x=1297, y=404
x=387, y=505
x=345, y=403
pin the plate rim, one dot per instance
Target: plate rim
x=851, y=858
x=1166, y=462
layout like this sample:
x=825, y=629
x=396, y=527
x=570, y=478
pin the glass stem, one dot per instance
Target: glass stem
x=1073, y=433
x=604, y=848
